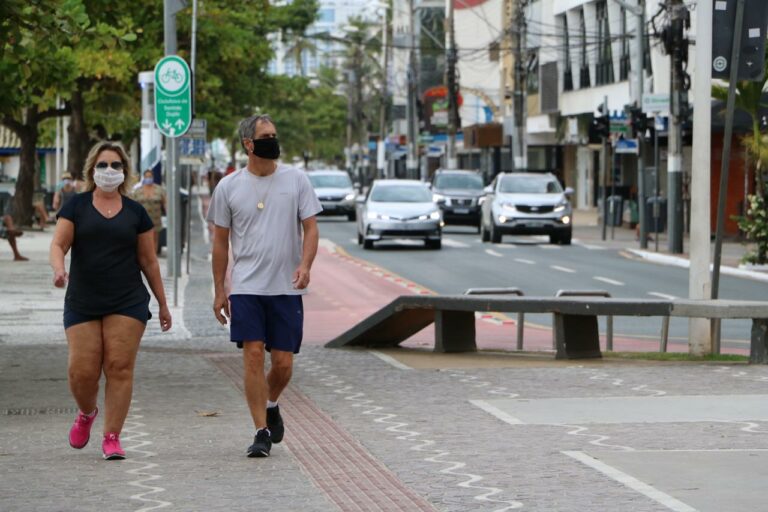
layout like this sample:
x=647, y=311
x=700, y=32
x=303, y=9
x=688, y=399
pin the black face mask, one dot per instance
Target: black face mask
x=268, y=149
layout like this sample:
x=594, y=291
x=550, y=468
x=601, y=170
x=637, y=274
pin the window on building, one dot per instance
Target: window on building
x=604, y=71
x=532, y=73
x=584, y=69
x=567, y=73
x=624, y=60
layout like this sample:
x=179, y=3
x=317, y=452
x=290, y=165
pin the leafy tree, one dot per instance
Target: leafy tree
x=37, y=61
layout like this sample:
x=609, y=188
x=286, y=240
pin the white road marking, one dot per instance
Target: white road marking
x=505, y=246
x=495, y=411
x=494, y=253
x=353, y=240
x=562, y=269
x=450, y=242
x=631, y=482
x=527, y=262
x=607, y=280
x=662, y=295
x=145, y=472
x=549, y=247
x=593, y=247
x=390, y=360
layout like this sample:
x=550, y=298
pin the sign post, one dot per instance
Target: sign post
x=173, y=116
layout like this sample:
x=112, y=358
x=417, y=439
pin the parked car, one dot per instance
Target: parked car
x=399, y=209
x=458, y=193
x=335, y=191
x=526, y=203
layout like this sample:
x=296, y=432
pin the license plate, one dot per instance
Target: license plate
x=461, y=211
x=534, y=223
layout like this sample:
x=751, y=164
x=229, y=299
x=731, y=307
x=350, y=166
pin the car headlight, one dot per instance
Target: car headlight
x=435, y=215
x=562, y=206
x=349, y=197
x=508, y=206
x=438, y=198
x=376, y=216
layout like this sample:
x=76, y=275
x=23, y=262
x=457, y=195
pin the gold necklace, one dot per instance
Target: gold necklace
x=260, y=204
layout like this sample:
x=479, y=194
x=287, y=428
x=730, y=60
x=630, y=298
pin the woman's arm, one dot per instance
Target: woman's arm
x=60, y=245
x=56, y=200
x=151, y=268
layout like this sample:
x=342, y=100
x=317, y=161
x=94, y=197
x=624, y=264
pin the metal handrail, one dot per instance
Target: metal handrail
x=504, y=291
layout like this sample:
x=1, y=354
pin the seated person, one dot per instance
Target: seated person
x=10, y=233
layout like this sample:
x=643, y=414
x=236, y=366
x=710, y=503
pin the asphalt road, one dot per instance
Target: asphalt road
x=541, y=269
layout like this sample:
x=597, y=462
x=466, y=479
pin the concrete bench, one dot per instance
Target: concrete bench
x=575, y=320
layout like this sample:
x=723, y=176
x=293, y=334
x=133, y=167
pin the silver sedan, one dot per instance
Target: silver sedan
x=399, y=209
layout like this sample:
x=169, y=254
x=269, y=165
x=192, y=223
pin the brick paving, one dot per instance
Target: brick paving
x=361, y=434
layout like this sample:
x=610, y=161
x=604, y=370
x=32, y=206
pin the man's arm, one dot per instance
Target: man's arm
x=309, y=251
x=219, y=260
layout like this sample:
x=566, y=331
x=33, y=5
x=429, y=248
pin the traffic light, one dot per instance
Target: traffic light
x=638, y=120
x=600, y=126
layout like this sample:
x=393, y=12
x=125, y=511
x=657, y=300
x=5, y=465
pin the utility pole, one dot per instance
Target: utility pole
x=381, y=156
x=452, y=87
x=412, y=162
x=678, y=50
x=520, y=107
x=638, y=72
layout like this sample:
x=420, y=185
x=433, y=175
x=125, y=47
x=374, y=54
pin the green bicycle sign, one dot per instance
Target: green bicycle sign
x=173, y=96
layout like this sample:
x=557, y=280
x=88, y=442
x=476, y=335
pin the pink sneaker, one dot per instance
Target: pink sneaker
x=111, y=447
x=80, y=432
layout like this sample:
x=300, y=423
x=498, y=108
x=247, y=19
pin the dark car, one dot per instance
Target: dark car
x=458, y=193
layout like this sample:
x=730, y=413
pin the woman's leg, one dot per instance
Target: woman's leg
x=122, y=335
x=84, y=363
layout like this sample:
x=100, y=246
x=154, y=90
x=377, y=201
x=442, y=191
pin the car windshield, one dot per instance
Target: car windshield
x=459, y=181
x=401, y=194
x=529, y=185
x=330, y=181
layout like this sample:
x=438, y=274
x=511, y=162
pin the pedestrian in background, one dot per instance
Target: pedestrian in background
x=263, y=209
x=9, y=231
x=65, y=192
x=152, y=197
x=106, y=307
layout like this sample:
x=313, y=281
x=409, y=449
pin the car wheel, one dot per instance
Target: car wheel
x=484, y=235
x=434, y=244
x=554, y=238
x=359, y=239
x=495, y=234
x=352, y=216
x=367, y=244
x=565, y=238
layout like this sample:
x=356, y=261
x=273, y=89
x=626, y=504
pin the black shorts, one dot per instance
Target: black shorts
x=138, y=311
x=276, y=320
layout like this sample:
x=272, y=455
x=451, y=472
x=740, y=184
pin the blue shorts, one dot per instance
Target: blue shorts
x=139, y=311
x=276, y=320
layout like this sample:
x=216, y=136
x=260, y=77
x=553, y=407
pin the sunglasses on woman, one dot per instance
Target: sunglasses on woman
x=117, y=165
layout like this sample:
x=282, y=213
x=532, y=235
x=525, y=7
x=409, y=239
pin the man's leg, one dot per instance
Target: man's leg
x=256, y=394
x=12, y=233
x=280, y=373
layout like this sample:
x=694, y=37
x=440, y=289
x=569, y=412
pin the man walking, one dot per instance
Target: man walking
x=263, y=209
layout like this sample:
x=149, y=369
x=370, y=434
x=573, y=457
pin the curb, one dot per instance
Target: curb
x=677, y=261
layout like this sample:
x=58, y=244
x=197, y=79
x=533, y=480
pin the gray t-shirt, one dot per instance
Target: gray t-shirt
x=266, y=243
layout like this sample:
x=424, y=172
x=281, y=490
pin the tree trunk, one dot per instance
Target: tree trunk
x=79, y=142
x=25, y=182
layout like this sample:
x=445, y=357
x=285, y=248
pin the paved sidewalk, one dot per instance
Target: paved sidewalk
x=397, y=430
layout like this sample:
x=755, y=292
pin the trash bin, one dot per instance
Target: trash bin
x=613, y=217
x=656, y=206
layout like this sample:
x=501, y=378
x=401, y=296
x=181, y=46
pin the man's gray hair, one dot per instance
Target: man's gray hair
x=248, y=126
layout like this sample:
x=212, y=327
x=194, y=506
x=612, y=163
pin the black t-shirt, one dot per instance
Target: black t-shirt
x=104, y=273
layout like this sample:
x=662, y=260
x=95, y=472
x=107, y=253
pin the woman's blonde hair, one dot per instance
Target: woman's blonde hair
x=91, y=160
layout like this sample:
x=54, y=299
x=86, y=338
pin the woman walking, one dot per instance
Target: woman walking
x=152, y=198
x=106, y=307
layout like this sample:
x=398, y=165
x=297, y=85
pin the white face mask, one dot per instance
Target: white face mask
x=108, y=179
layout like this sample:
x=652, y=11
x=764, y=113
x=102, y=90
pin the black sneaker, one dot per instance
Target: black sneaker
x=275, y=423
x=261, y=444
